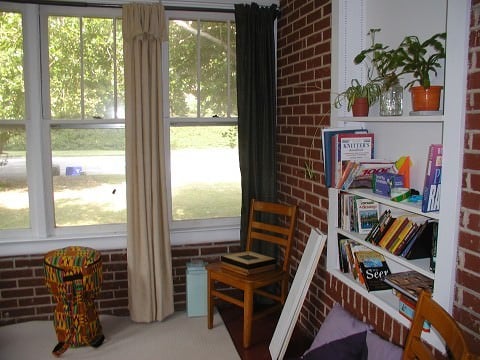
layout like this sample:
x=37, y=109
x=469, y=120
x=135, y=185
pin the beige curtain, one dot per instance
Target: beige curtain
x=150, y=282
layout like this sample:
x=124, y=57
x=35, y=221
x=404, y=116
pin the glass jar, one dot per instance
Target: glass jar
x=391, y=101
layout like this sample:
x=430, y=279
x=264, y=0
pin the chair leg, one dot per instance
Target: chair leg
x=210, y=302
x=247, y=316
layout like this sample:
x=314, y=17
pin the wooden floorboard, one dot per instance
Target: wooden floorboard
x=262, y=332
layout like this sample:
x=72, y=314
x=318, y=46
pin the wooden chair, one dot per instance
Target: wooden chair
x=281, y=234
x=429, y=310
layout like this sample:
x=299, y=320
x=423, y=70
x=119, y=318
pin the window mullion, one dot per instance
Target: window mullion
x=199, y=24
x=82, y=72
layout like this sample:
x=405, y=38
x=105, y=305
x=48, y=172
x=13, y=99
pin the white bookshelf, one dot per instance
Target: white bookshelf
x=406, y=135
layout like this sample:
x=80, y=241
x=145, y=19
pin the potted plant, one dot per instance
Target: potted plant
x=383, y=68
x=359, y=97
x=420, y=59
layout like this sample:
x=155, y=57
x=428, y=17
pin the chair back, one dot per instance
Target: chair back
x=273, y=223
x=446, y=326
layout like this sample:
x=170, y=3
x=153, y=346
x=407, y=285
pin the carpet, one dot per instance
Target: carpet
x=177, y=337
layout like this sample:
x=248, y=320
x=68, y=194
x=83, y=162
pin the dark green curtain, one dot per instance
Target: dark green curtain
x=256, y=101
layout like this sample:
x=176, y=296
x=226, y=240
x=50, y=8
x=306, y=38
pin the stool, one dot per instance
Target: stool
x=73, y=276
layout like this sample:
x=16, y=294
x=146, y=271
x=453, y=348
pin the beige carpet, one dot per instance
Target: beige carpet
x=178, y=337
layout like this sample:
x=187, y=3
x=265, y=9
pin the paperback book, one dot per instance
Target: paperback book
x=374, y=268
x=327, y=134
x=367, y=215
x=433, y=179
x=409, y=283
x=350, y=147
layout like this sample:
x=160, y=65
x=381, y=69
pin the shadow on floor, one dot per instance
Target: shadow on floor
x=262, y=333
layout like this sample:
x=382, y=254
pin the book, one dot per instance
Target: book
x=244, y=271
x=421, y=246
x=392, y=230
x=378, y=226
x=400, y=235
x=373, y=268
x=406, y=307
x=354, y=248
x=409, y=283
x=367, y=215
x=327, y=134
x=383, y=228
x=248, y=262
x=404, y=237
x=350, y=147
x=343, y=256
x=362, y=173
x=433, y=179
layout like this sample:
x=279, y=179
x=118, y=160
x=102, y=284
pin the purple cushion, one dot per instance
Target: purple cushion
x=353, y=347
x=338, y=324
x=381, y=349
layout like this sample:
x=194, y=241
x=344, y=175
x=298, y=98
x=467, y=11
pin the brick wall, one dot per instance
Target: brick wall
x=24, y=296
x=304, y=33
x=467, y=296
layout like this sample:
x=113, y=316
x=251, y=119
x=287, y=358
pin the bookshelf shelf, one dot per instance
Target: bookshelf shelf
x=404, y=119
x=405, y=135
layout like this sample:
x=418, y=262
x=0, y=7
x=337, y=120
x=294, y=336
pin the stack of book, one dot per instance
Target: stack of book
x=366, y=266
x=358, y=214
x=248, y=262
x=399, y=235
x=407, y=286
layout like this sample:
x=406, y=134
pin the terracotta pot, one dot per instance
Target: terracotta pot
x=426, y=99
x=360, y=107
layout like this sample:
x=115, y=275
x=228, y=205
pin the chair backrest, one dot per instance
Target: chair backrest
x=446, y=326
x=274, y=223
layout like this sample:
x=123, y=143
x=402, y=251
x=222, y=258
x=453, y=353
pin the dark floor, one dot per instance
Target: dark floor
x=262, y=333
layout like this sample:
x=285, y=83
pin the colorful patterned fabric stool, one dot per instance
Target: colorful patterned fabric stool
x=74, y=277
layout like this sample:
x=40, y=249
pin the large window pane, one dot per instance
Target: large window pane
x=205, y=172
x=183, y=68
x=85, y=63
x=89, y=176
x=14, y=201
x=12, y=93
x=202, y=68
x=213, y=60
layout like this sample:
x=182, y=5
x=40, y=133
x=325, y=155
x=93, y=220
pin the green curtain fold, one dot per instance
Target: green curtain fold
x=256, y=89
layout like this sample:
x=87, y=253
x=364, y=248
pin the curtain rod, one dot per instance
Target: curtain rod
x=113, y=5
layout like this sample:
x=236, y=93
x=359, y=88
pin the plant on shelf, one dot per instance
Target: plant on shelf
x=359, y=97
x=383, y=66
x=384, y=62
x=421, y=59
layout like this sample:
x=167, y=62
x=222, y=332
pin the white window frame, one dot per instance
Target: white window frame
x=42, y=235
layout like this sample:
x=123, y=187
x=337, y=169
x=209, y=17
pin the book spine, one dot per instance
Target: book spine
x=390, y=232
x=383, y=228
x=401, y=244
x=401, y=236
x=433, y=174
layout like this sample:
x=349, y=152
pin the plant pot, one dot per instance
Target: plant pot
x=360, y=107
x=426, y=99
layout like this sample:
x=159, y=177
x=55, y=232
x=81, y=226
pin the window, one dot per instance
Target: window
x=62, y=142
x=202, y=120
x=85, y=107
x=14, y=200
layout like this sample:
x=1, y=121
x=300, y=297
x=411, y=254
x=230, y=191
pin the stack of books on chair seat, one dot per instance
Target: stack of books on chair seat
x=248, y=262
